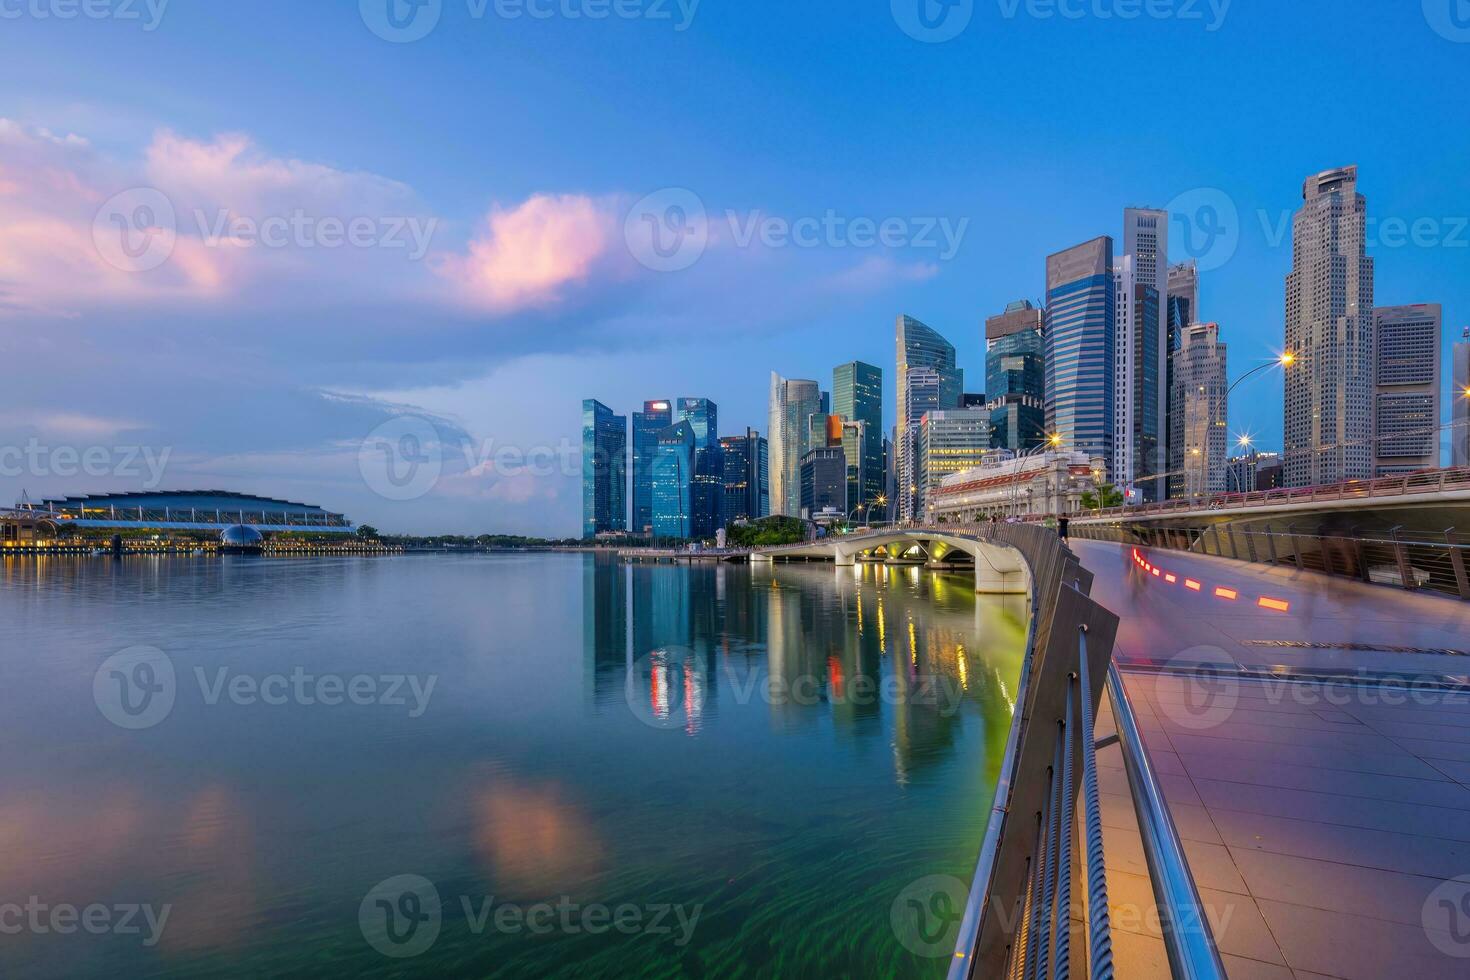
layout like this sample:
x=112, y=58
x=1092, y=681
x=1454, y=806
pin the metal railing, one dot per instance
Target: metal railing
x=1410, y=560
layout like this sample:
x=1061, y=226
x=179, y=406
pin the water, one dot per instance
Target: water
x=722, y=771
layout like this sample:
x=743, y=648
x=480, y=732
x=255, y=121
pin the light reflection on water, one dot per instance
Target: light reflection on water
x=782, y=748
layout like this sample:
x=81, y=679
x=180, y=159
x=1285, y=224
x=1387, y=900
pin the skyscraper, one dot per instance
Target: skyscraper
x=1015, y=376
x=604, y=469
x=647, y=424
x=746, y=465
x=824, y=481
x=922, y=395
x=708, y=501
x=920, y=348
x=792, y=403
x=673, y=482
x=950, y=441
x=1329, y=331
x=857, y=396
x=1081, y=335
x=1181, y=308
x=1460, y=409
x=1141, y=280
x=1201, y=413
x=1406, y=366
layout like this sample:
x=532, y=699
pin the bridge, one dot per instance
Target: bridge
x=1000, y=568
x=1281, y=769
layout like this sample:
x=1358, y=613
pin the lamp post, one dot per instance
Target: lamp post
x=1053, y=442
x=1245, y=443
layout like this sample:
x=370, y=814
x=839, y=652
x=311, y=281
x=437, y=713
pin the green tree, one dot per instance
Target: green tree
x=367, y=531
x=1107, y=496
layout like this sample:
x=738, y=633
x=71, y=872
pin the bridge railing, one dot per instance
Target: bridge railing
x=1417, y=561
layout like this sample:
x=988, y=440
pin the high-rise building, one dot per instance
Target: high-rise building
x=1015, y=376
x=604, y=469
x=1081, y=335
x=708, y=501
x=1406, y=367
x=824, y=481
x=864, y=467
x=1329, y=332
x=673, y=482
x=921, y=347
x=746, y=464
x=1181, y=308
x=1460, y=407
x=1253, y=471
x=792, y=403
x=950, y=441
x=923, y=393
x=1201, y=413
x=647, y=424
x=857, y=396
x=1140, y=375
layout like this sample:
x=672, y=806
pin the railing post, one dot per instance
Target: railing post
x=1457, y=562
x=1270, y=546
x=1401, y=555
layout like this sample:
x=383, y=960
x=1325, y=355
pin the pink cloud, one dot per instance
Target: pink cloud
x=530, y=254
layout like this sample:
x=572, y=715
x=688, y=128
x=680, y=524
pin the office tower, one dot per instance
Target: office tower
x=647, y=424
x=1268, y=471
x=824, y=481
x=792, y=403
x=1198, y=438
x=950, y=441
x=923, y=393
x=1460, y=406
x=604, y=469
x=972, y=399
x=1406, y=367
x=1181, y=308
x=864, y=468
x=920, y=348
x=1329, y=331
x=1240, y=472
x=1015, y=376
x=1140, y=374
x=673, y=482
x=1081, y=333
x=857, y=396
x=745, y=462
x=708, y=501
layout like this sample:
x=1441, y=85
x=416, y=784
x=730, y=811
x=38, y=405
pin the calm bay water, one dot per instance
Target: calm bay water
x=695, y=772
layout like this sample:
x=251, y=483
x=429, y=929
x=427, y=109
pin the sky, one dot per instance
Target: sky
x=373, y=255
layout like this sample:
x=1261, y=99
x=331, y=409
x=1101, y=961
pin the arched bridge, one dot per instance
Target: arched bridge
x=1000, y=568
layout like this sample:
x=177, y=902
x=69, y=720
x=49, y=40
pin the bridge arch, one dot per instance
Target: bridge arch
x=999, y=568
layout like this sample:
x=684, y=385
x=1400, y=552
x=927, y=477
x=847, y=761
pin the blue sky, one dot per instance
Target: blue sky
x=524, y=143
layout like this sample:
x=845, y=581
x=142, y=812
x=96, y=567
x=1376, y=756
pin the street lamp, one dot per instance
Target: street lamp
x=1245, y=443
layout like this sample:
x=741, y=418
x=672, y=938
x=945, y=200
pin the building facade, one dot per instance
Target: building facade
x=1407, y=376
x=920, y=348
x=604, y=469
x=857, y=396
x=923, y=393
x=746, y=461
x=1005, y=485
x=1460, y=410
x=1198, y=437
x=1081, y=336
x=673, y=482
x=1253, y=471
x=708, y=501
x=1140, y=374
x=1015, y=377
x=951, y=441
x=792, y=403
x=824, y=482
x=1328, y=417
x=647, y=424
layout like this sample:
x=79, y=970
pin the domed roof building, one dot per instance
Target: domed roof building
x=191, y=510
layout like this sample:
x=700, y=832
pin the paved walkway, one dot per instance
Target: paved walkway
x=1325, y=822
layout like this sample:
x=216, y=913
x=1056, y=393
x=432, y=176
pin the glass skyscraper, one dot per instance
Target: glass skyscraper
x=920, y=347
x=792, y=404
x=746, y=463
x=708, y=501
x=647, y=424
x=1015, y=377
x=1081, y=330
x=604, y=469
x=857, y=397
x=673, y=482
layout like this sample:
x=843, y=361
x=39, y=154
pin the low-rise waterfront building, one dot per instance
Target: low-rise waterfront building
x=1006, y=485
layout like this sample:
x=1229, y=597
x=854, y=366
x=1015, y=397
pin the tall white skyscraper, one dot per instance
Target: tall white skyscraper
x=1460, y=412
x=792, y=404
x=920, y=347
x=1201, y=410
x=1141, y=360
x=1329, y=332
x=1406, y=366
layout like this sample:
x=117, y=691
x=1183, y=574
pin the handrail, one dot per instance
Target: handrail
x=1188, y=938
